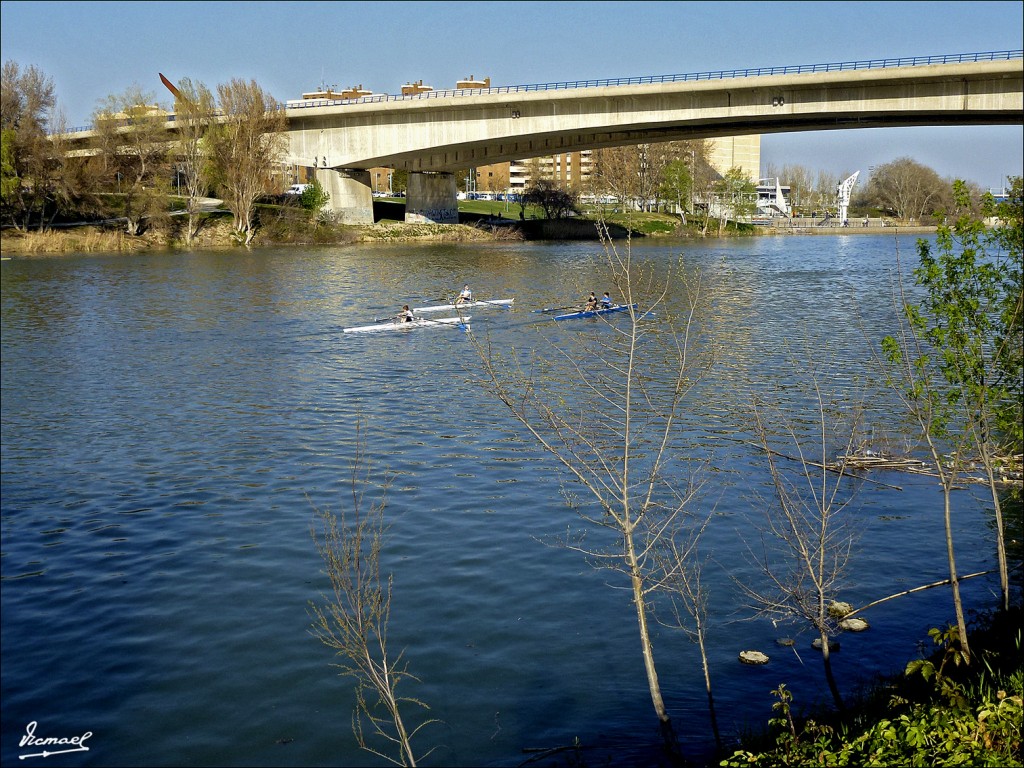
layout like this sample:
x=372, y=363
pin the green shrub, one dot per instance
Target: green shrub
x=930, y=719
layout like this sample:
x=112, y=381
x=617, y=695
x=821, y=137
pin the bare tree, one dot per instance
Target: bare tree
x=615, y=172
x=194, y=109
x=246, y=145
x=605, y=405
x=556, y=201
x=907, y=188
x=134, y=154
x=497, y=180
x=808, y=544
x=353, y=618
x=682, y=566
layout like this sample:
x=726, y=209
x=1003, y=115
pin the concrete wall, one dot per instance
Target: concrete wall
x=351, y=201
x=431, y=198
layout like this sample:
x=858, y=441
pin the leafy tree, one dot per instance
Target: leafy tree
x=314, y=197
x=246, y=145
x=958, y=360
x=969, y=317
x=556, y=201
x=677, y=183
x=29, y=171
x=134, y=156
x=638, y=175
x=1007, y=240
x=735, y=197
x=399, y=181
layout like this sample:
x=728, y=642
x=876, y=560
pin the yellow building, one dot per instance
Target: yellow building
x=744, y=152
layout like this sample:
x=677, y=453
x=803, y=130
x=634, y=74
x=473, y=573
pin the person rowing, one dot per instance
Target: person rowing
x=465, y=296
x=606, y=301
x=591, y=303
x=405, y=316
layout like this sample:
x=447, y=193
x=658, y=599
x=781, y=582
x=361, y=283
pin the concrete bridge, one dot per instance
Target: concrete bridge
x=435, y=133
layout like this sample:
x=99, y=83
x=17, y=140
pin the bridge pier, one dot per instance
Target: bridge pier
x=349, y=188
x=431, y=198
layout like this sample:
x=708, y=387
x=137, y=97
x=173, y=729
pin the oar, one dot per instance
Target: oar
x=494, y=301
x=556, y=309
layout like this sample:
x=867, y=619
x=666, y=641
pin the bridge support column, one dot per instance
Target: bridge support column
x=431, y=198
x=351, y=201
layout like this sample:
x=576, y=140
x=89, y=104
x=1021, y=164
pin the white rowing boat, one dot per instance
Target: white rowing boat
x=393, y=325
x=502, y=303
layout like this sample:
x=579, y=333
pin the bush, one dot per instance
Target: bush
x=968, y=716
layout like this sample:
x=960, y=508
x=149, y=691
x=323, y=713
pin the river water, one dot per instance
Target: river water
x=173, y=422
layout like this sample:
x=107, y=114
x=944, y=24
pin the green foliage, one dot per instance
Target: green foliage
x=982, y=731
x=948, y=641
x=314, y=197
x=677, y=183
x=967, y=368
x=737, y=193
x=9, y=181
x=968, y=315
x=922, y=719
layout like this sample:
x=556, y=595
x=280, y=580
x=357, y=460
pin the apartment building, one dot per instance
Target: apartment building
x=573, y=169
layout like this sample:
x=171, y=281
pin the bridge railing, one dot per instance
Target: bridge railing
x=839, y=66
x=725, y=74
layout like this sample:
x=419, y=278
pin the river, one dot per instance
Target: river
x=173, y=422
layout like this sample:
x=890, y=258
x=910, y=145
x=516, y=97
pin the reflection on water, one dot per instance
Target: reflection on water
x=171, y=422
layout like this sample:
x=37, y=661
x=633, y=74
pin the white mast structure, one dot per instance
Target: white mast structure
x=780, y=200
x=843, y=193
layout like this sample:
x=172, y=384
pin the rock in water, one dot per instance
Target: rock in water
x=854, y=625
x=753, y=657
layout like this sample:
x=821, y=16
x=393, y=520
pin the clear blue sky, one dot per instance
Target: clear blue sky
x=93, y=49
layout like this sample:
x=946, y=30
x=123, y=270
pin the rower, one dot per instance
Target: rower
x=591, y=302
x=466, y=295
x=606, y=301
x=406, y=315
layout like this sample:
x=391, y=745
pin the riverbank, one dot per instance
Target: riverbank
x=216, y=232
x=858, y=230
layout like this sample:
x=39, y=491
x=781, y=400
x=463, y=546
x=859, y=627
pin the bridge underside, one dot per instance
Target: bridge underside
x=432, y=138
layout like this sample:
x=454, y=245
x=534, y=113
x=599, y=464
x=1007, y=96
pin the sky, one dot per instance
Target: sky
x=94, y=49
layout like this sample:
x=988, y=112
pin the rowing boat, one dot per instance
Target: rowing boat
x=596, y=312
x=393, y=325
x=503, y=303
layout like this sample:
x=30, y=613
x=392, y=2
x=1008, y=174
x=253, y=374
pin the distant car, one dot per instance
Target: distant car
x=297, y=189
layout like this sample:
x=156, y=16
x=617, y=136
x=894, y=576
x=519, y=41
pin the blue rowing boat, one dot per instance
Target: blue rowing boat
x=596, y=312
